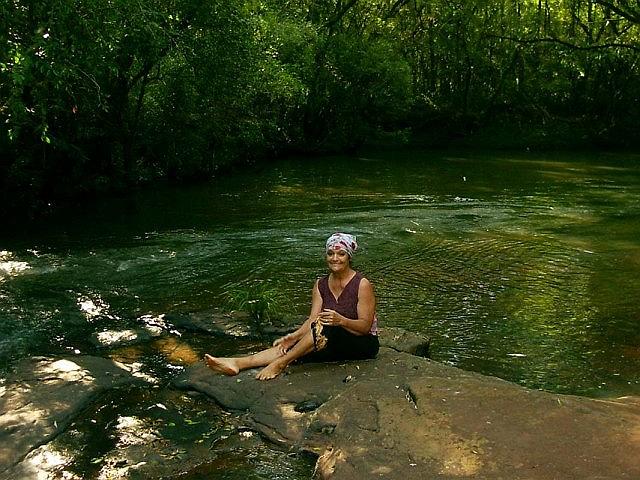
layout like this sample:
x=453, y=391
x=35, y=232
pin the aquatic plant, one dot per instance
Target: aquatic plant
x=262, y=302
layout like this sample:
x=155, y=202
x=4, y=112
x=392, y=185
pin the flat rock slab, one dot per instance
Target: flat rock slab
x=403, y=416
x=44, y=395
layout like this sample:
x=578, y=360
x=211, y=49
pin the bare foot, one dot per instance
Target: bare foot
x=271, y=371
x=226, y=366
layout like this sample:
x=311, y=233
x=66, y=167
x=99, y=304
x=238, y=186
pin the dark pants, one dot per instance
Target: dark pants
x=343, y=345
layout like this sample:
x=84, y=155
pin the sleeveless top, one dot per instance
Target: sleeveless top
x=347, y=303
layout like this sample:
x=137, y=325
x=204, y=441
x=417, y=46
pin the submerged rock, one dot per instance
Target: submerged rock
x=236, y=324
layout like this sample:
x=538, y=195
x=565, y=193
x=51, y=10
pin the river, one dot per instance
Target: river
x=523, y=266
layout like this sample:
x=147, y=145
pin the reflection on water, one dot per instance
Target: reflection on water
x=523, y=267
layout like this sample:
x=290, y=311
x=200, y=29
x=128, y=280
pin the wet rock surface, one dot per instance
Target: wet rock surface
x=398, y=416
x=43, y=396
x=402, y=416
x=80, y=418
x=50, y=407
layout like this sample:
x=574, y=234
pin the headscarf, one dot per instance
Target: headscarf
x=342, y=241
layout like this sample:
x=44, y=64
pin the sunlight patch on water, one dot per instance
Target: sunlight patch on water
x=9, y=267
x=110, y=337
x=463, y=199
x=417, y=198
x=177, y=352
x=156, y=324
x=131, y=432
x=48, y=462
x=93, y=308
x=137, y=370
x=127, y=355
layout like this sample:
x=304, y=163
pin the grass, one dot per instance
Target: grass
x=259, y=300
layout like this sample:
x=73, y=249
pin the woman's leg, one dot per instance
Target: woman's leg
x=234, y=365
x=279, y=363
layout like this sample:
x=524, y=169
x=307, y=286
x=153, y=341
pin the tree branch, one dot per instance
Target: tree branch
x=341, y=13
x=395, y=8
x=570, y=45
x=628, y=13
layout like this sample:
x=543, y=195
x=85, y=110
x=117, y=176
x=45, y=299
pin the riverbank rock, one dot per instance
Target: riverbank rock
x=403, y=416
x=404, y=341
x=40, y=400
x=212, y=322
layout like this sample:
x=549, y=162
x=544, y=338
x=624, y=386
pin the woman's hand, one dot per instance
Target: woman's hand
x=330, y=318
x=285, y=343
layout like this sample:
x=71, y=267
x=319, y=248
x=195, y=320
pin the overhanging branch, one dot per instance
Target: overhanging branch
x=626, y=11
x=342, y=11
x=564, y=43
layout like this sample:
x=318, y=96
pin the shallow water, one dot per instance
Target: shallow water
x=522, y=266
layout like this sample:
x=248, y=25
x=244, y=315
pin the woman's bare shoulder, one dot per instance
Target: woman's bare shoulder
x=365, y=283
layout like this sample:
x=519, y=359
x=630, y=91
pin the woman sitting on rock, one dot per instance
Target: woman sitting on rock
x=342, y=324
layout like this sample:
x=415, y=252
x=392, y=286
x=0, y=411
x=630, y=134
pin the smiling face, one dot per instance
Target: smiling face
x=338, y=260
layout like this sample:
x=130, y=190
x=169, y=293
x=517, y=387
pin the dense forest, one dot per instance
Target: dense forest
x=100, y=96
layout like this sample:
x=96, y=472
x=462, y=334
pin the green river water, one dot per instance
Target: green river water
x=521, y=266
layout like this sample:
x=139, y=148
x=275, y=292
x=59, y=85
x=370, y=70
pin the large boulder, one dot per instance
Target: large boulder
x=403, y=416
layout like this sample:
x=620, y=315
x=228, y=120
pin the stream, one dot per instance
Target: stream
x=522, y=266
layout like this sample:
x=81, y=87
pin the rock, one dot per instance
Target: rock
x=189, y=323
x=236, y=324
x=44, y=395
x=403, y=416
x=396, y=416
x=404, y=341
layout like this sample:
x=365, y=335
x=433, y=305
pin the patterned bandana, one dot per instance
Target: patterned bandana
x=342, y=241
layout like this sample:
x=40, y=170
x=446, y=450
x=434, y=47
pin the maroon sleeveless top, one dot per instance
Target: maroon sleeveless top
x=347, y=303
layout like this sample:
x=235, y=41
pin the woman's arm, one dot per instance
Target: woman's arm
x=316, y=305
x=366, y=312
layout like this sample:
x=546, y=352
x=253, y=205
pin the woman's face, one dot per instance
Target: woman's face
x=337, y=260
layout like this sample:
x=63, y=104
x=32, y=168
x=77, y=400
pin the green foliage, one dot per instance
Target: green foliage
x=261, y=301
x=97, y=96
x=366, y=85
x=197, y=115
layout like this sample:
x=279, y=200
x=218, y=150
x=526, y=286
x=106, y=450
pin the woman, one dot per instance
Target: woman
x=342, y=324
